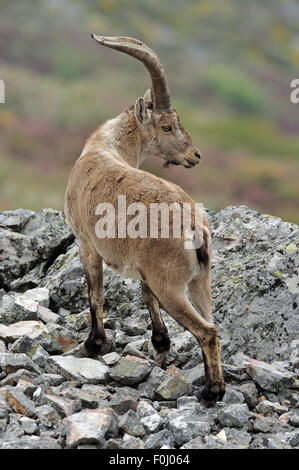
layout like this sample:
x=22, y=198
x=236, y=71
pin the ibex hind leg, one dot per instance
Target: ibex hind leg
x=160, y=338
x=93, y=267
x=177, y=305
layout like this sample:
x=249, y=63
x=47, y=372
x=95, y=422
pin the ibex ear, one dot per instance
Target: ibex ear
x=141, y=112
x=148, y=95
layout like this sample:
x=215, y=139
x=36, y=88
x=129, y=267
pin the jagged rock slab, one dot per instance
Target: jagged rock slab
x=131, y=370
x=268, y=376
x=32, y=329
x=91, y=426
x=10, y=363
x=82, y=370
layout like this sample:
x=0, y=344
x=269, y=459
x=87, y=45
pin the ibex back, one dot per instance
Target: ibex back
x=108, y=168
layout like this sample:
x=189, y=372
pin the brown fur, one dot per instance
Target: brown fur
x=107, y=168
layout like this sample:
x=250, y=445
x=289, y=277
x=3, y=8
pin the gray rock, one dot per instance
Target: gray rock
x=20, y=403
x=83, y=370
x=235, y=415
x=269, y=441
x=269, y=424
x=149, y=417
x=172, y=387
x=160, y=439
x=295, y=353
x=250, y=394
x=185, y=425
x=292, y=438
x=63, y=406
x=40, y=237
x=46, y=315
x=10, y=362
x=294, y=418
x=29, y=442
x=131, y=442
x=29, y=425
x=267, y=407
x=195, y=375
x=131, y=370
x=48, y=416
x=130, y=423
x=122, y=403
x=91, y=427
x=48, y=379
x=268, y=376
x=12, y=332
x=233, y=395
x=112, y=358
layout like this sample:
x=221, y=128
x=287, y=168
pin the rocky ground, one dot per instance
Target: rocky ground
x=53, y=397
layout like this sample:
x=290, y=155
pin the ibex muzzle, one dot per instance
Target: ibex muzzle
x=107, y=171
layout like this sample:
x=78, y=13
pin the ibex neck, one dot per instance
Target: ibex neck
x=122, y=135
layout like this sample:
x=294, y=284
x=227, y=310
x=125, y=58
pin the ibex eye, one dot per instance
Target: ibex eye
x=166, y=128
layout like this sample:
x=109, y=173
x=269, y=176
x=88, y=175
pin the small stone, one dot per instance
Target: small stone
x=149, y=417
x=26, y=387
x=233, y=396
x=268, y=424
x=250, y=394
x=39, y=294
x=28, y=425
x=112, y=358
x=14, y=331
x=195, y=376
x=78, y=321
x=48, y=416
x=269, y=408
x=172, y=387
x=133, y=327
x=294, y=418
x=187, y=402
x=82, y=370
x=91, y=427
x=121, y=404
x=185, y=425
x=235, y=415
x=129, y=423
x=268, y=376
x=63, y=406
x=29, y=442
x=20, y=403
x=46, y=315
x=160, y=439
x=12, y=362
x=131, y=370
x=131, y=442
x=48, y=379
x=40, y=357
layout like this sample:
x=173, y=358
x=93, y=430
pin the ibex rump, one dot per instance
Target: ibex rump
x=106, y=169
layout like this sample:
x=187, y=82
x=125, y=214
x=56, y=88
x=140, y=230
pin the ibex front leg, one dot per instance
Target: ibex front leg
x=93, y=267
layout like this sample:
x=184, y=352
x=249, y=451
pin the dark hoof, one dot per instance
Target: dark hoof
x=161, y=343
x=92, y=349
x=210, y=394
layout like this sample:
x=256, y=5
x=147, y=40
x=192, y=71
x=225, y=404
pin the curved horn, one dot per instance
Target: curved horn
x=147, y=56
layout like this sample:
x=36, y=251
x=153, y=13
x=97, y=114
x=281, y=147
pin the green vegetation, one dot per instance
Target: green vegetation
x=229, y=67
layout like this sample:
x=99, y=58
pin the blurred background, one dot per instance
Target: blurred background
x=229, y=65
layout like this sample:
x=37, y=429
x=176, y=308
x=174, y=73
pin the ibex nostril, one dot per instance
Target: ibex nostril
x=197, y=155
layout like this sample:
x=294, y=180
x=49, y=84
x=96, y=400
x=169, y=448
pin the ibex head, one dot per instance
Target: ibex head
x=159, y=123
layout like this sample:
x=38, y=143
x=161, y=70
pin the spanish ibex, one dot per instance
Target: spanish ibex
x=107, y=168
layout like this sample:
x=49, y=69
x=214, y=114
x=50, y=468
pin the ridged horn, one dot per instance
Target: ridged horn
x=147, y=56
